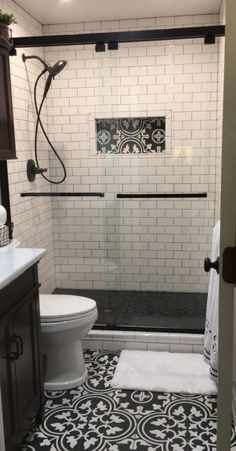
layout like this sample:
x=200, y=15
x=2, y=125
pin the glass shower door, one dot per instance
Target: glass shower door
x=143, y=132
x=159, y=190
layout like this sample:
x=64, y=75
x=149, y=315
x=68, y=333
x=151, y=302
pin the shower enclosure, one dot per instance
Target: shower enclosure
x=137, y=128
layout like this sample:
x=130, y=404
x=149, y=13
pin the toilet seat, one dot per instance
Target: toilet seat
x=60, y=307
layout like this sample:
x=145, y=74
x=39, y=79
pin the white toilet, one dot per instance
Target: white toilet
x=65, y=319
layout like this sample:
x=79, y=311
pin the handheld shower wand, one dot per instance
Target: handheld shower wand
x=54, y=70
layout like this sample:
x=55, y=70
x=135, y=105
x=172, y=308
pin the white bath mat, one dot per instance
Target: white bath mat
x=163, y=371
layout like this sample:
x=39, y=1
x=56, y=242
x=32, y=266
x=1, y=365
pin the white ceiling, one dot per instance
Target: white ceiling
x=66, y=11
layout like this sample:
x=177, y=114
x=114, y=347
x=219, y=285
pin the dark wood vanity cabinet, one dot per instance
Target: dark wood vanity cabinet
x=7, y=136
x=20, y=357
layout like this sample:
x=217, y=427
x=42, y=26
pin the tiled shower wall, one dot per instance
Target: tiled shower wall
x=32, y=217
x=106, y=243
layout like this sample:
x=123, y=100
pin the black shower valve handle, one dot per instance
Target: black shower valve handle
x=38, y=170
x=33, y=170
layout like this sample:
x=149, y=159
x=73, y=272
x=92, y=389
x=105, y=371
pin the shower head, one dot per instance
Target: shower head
x=57, y=68
x=53, y=70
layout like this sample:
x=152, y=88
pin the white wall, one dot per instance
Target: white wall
x=32, y=217
x=140, y=245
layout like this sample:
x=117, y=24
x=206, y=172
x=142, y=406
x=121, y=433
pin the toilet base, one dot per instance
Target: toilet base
x=64, y=365
x=66, y=385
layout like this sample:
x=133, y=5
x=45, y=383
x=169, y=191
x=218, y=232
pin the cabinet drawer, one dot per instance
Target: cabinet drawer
x=18, y=289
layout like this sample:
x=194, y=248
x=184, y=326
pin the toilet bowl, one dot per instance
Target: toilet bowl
x=65, y=319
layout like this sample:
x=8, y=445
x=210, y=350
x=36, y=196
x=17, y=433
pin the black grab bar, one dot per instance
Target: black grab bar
x=60, y=194
x=159, y=195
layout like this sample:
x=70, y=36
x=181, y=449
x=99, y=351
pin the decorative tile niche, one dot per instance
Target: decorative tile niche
x=142, y=134
x=131, y=135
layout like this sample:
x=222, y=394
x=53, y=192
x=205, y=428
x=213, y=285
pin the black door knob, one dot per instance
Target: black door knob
x=211, y=265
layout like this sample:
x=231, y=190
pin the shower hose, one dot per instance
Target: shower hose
x=39, y=122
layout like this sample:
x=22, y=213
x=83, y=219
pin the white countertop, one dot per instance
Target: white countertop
x=15, y=261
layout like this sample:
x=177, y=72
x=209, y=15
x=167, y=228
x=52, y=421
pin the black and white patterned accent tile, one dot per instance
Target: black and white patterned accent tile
x=131, y=135
x=96, y=417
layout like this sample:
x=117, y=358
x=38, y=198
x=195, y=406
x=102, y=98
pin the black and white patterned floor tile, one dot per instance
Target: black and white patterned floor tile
x=96, y=417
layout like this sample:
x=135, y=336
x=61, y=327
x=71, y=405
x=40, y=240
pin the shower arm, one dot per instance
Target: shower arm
x=46, y=66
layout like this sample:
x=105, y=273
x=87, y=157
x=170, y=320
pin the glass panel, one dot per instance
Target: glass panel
x=137, y=120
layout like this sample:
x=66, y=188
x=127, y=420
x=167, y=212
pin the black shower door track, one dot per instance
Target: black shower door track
x=207, y=32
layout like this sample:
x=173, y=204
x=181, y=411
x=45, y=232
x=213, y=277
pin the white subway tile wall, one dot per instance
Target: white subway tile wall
x=32, y=217
x=157, y=245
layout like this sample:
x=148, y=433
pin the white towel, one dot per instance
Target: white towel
x=163, y=372
x=211, y=328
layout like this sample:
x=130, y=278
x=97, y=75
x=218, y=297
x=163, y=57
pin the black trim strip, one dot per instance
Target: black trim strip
x=120, y=36
x=60, y=194
x=5, y=196
x=159, y=195
x=102, y=326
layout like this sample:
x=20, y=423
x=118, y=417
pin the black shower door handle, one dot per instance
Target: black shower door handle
x=208, y=264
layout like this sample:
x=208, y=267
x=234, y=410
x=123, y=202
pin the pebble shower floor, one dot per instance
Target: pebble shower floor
x=96, y=417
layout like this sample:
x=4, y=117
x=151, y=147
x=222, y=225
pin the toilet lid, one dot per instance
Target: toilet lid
x=56, y=307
